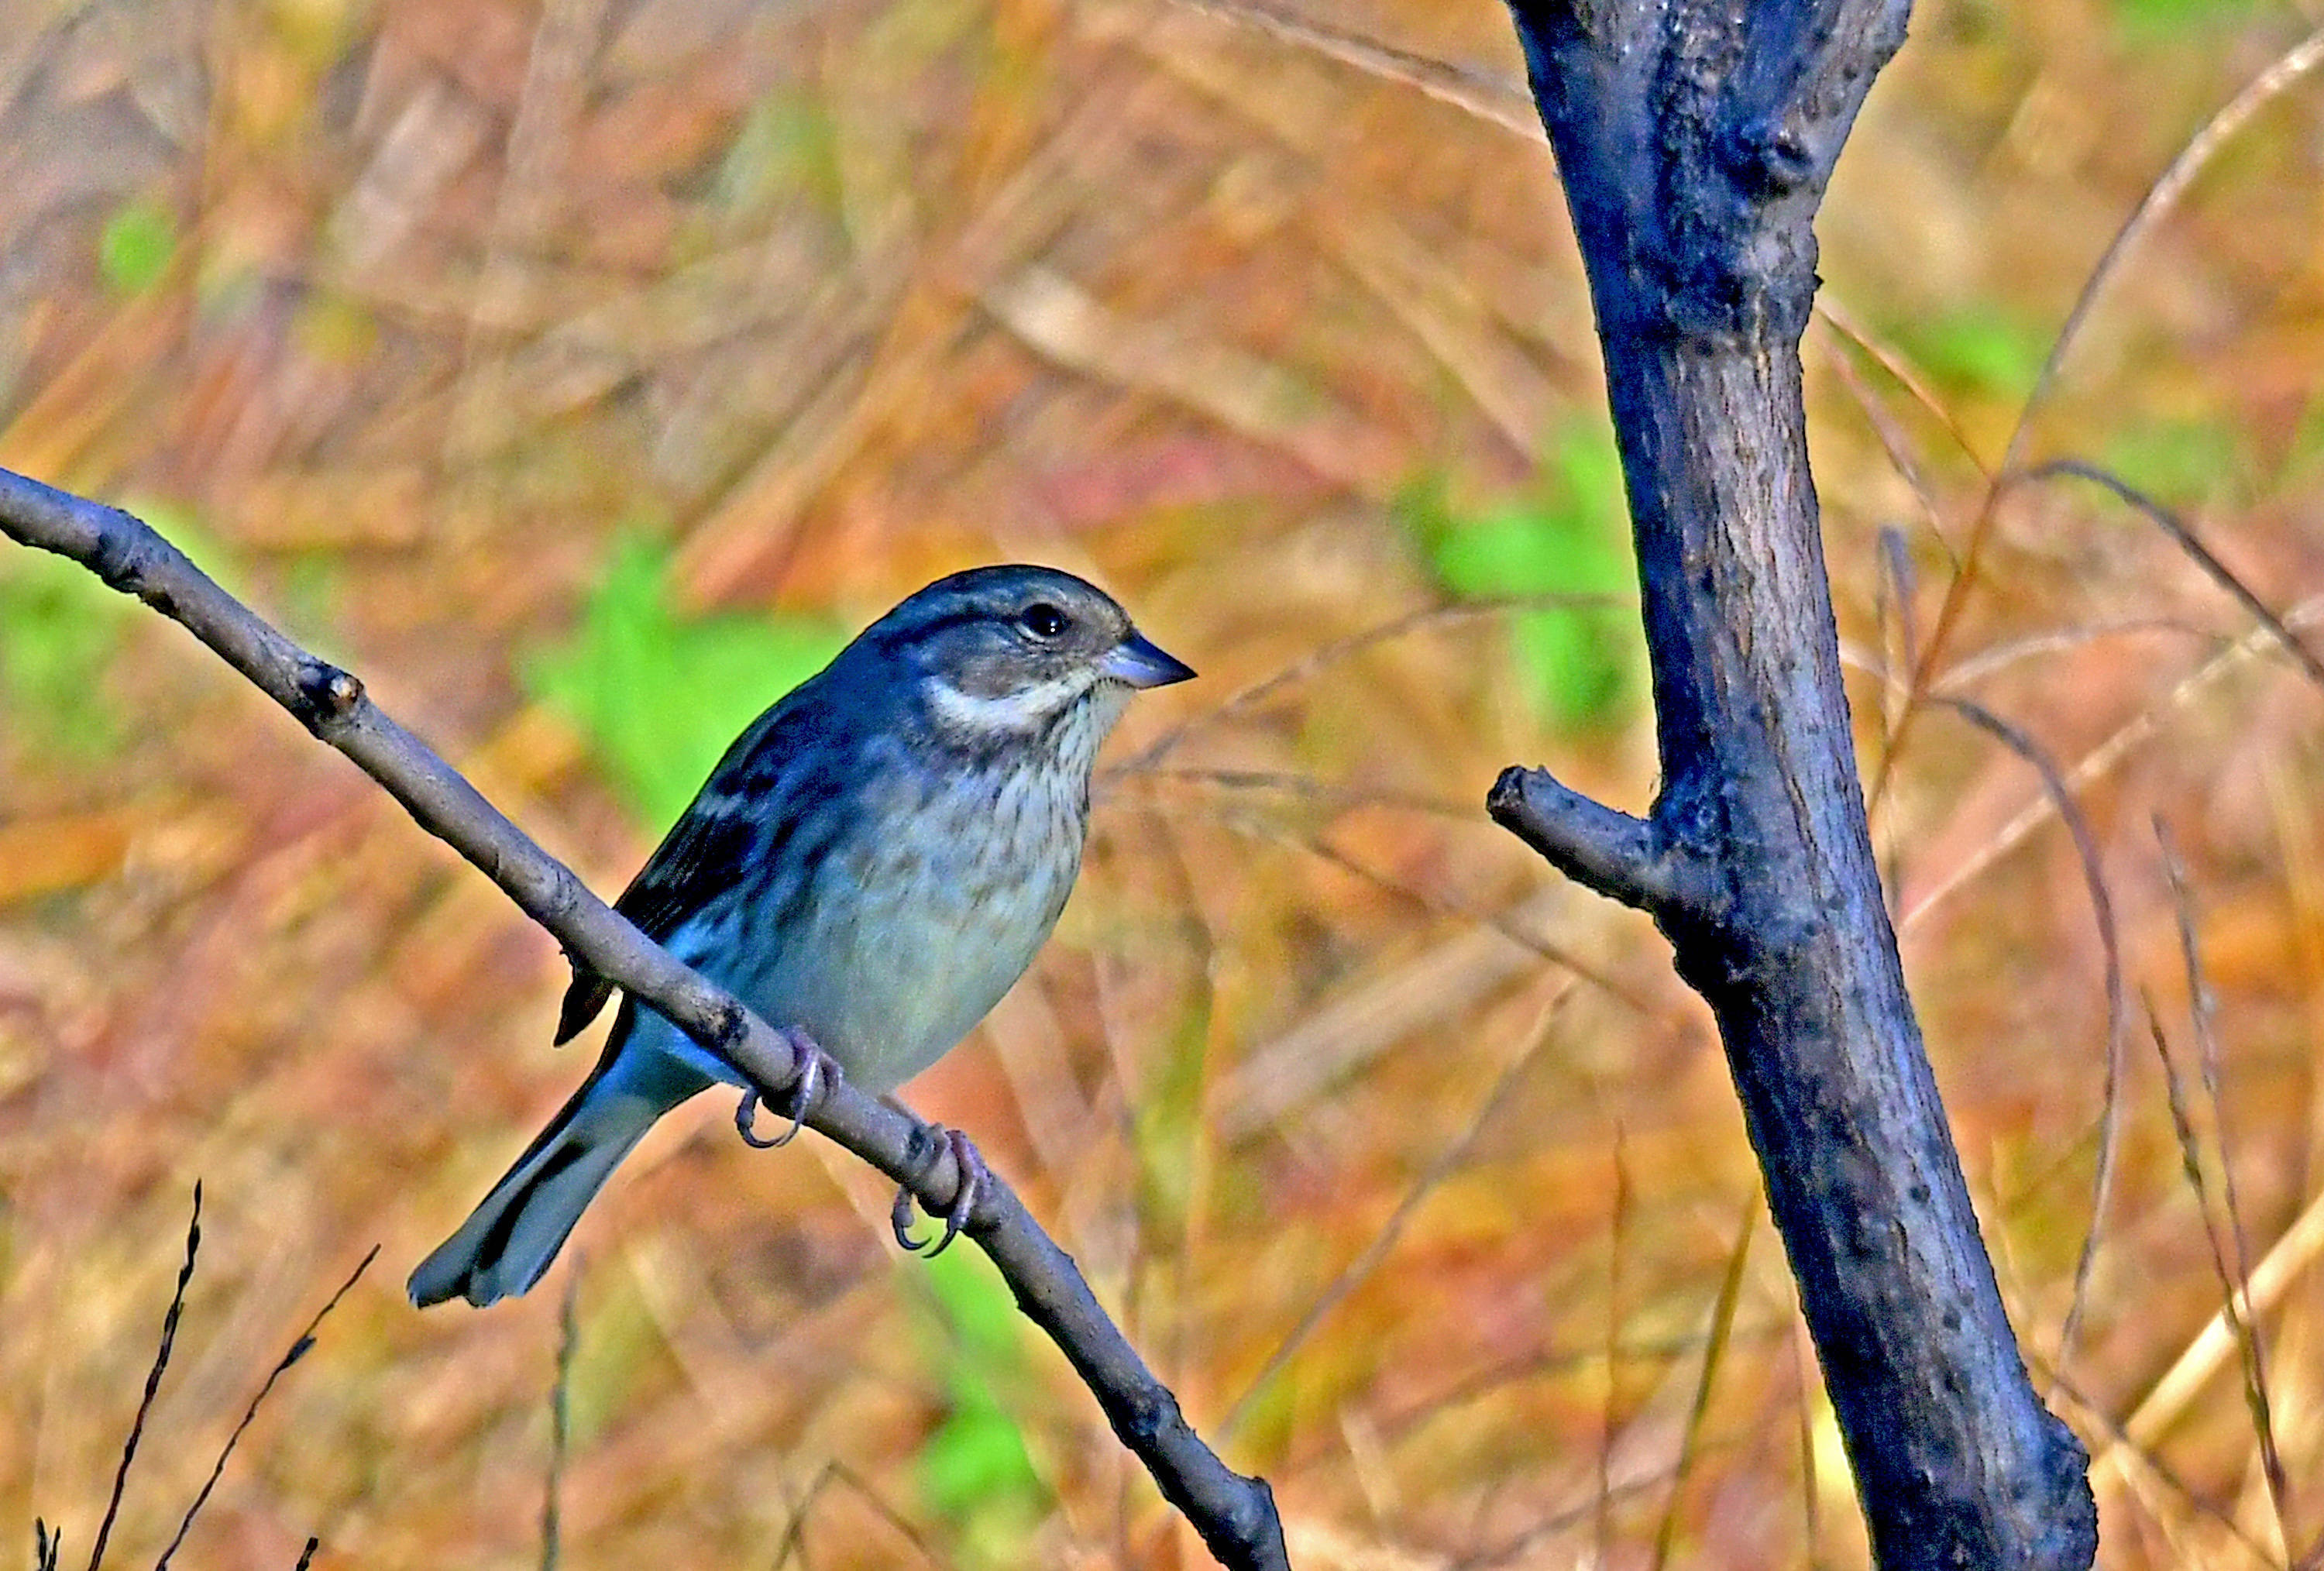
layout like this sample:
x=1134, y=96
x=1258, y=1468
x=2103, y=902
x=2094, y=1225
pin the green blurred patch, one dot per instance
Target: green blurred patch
x=60, y=626
x=136, y=245
x=2180, y=460
x=2303, y=459
x=1582, y=666
x=659, y=695
x=2169, y=21
x=786, y=149
x=1168, y=1123
x=1984, y=349
x=974, y=1471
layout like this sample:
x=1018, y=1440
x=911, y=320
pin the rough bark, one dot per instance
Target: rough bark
x=1694, y=141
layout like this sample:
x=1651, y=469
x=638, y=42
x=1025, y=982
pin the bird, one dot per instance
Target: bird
x=873, y=863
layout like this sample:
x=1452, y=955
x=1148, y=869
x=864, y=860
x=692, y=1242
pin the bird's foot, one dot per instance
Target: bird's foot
x=933, y=1139
x=817, y=1073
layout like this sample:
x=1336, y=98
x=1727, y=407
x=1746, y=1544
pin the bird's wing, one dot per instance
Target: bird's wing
x=705, y=850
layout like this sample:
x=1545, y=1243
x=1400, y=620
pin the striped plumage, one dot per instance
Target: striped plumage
x=875, y=861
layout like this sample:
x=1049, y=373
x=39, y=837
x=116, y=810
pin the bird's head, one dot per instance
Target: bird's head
x=1005, y=653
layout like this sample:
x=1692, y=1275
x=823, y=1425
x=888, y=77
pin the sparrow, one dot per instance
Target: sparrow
x=872, y=865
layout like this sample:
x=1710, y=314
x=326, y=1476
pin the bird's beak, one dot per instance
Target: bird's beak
x=1141, y=665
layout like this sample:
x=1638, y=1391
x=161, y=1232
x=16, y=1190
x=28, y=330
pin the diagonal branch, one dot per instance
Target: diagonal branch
x=1235, y=1515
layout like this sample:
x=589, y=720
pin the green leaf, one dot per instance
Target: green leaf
x=979, y=1312
x=2181, y=460
x=660, y=697
x=2168, y=21
x=60, y=626
x=1981, y=350
x=1580, y=667
x=974, y=1469
x=786, y=149
x=136, y=245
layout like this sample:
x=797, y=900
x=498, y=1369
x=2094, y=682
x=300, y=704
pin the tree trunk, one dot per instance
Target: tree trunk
x=1695, y=141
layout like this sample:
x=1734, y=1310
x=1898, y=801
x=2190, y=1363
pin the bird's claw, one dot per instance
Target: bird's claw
x=970, y=1165
x=818, y=1074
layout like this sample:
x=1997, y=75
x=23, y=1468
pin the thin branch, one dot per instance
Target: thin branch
x=1484, y=96
x=2207, y=1049
x=298, y=1350
x=152, y=1386
x=2169, y=523
x=2235, y=1296
x=1235, y=1515
x=560, y=1425
x=1621, y=857
x=1339, y=650
x=2086, y=848
x=1722, y=1328
x=2160, y=197
x=1358, y=1270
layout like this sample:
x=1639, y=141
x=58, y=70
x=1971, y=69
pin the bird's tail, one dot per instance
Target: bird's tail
x=512, y=1237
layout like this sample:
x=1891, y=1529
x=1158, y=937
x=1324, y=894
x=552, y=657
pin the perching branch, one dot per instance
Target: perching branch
x=1235, y=1515
x=1695, y=138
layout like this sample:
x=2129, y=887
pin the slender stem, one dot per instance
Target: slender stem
x=1235, y=1515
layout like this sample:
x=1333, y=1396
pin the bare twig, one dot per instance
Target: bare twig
x=152, y=1386
x=1324, y=656
x=1485, y=96
x=2172, y=524
x=2238, y=1284
x=2160, y=198
x=2086, y=848
x=794, y=1539
x=1235, y=1515
x=560, y=1425
x=298, y=1350
x=1367, y=1260
x=1630, y=860
x=1722, y=1327
x=2102, y=758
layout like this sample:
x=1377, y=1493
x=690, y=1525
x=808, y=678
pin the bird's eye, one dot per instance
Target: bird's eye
x=1043, y=620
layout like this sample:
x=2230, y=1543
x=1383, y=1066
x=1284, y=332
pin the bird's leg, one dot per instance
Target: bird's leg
x=817, y=1073
x=928, y=1142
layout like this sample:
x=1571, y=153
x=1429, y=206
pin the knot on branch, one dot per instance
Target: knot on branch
x=118, y=555
x=1773, y=158
x=1148, y=1416
x=327, y=696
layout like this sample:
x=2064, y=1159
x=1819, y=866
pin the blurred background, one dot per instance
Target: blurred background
x=581, y=374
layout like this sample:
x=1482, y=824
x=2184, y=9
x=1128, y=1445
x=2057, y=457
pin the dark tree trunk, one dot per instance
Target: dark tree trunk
x=1695, y=140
